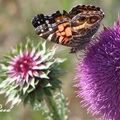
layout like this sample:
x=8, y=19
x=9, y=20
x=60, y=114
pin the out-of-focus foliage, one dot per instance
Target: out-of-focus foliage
x=15, y=26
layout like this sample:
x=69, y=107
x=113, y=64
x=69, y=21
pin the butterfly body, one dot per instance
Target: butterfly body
x=74, y=29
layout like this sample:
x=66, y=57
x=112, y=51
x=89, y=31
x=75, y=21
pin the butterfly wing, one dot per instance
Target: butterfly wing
x=73, y=29
x=83, y=8
x=55, y=28
x=85, y=21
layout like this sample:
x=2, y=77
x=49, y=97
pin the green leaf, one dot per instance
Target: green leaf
x=32, y=83
x=16, y=100
x=26, y=100
x=39, y=94
x=44, y=82
x=46, y=57
x=32, y=98
x=57, y=62
x=25, y=88
x=36, y=81
x=3, y=77
x=18, y=48
x=11, y=97
x=29, y=44
x=30, y=89
x=55, y=83
x=47, y=91
x=5, y=62
x=11, y=89
x=42, y=47
x=56, y=73
x=45, y=66
x=11, y=54
x=43, y=75
x=7, y=57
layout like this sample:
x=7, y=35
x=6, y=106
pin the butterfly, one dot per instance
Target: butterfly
x=73, y=29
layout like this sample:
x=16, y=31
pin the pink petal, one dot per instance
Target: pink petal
x=32, y=53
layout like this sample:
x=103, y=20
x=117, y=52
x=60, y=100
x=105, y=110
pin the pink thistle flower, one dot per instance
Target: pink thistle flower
x=23, y=66
x=30, y=72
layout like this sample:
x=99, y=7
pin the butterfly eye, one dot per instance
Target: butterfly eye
x=93, y=19
x=82, y=19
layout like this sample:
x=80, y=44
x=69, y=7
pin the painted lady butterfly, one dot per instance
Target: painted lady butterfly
x=74, y=29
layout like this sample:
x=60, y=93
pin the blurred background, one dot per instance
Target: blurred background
x=15, y=26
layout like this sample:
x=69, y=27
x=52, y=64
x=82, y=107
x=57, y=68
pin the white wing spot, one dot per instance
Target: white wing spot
x=40, y=34
x=47, y=21
x=42, y=30
x=38, y=22
x=50, y=37
x=50, y=29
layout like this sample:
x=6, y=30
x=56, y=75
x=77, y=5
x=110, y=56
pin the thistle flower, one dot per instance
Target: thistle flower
x=29, y=72
x=98, y=75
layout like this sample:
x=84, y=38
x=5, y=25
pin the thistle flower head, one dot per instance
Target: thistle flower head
x=98, y=75
x=29, y=72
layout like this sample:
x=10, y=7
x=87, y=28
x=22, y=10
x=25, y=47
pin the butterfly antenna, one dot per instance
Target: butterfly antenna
x=104, y=28
x=76, y=56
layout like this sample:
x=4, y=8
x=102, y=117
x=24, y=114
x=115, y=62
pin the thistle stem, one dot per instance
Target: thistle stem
x=58, y=113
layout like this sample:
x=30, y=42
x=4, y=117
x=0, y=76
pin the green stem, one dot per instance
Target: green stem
x=58, y=113
x=55, y=112
x=53, y=108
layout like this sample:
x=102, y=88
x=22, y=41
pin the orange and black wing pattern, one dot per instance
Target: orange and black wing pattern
x=73, y=29
x=55, y=28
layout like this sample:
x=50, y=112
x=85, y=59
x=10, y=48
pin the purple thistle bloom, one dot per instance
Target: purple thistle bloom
x=98, y=75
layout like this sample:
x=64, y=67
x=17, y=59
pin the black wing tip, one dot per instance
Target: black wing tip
x=38, y=20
